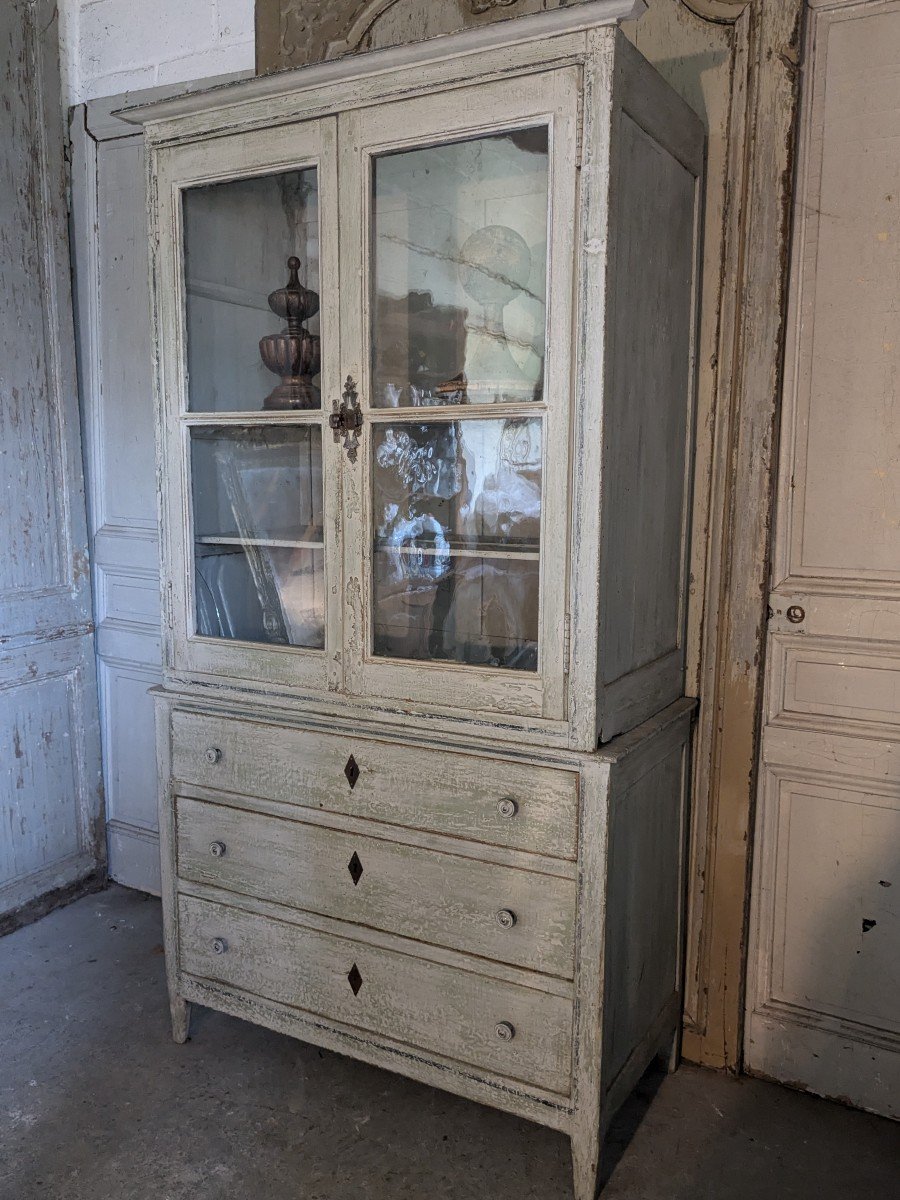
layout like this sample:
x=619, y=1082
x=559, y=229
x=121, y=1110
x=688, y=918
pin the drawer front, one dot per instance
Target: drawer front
x=457, y=1014
x=480, y=908
x=491, y=800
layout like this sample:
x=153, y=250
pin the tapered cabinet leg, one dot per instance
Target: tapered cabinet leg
x=181, y=1018
x=670, y=1052
x=586, y=1165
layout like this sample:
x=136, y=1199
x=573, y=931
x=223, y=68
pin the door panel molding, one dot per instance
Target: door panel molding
x=51, y=795
x=824, y=951
x=115, y=358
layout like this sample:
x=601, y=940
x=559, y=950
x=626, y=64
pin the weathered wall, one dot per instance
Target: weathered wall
x=112, y=46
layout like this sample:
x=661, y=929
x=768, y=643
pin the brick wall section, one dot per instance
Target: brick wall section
x=113, y=46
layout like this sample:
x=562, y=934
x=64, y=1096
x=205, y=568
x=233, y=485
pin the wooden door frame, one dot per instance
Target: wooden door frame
x=747, y=287
x=764, y=96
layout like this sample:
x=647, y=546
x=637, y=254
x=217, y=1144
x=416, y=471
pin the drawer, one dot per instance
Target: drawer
x=457, y=1014
x=498, y=912
x=502, y=802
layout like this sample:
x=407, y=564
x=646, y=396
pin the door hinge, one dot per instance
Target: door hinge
x=567, y=642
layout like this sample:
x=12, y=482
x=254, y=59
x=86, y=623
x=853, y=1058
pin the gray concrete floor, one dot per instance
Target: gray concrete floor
x=97, y=1103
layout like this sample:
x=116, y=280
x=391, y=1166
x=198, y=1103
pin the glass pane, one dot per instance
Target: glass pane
x=252, y=324
x=457, y=510
x=460, y=265
x=258, y=533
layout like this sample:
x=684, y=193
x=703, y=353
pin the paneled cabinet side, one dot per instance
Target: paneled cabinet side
x=656, y=166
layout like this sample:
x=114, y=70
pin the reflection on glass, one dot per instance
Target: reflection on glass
x=457, y=510
x=238, y=238
x=460, y=253
x=258, y=533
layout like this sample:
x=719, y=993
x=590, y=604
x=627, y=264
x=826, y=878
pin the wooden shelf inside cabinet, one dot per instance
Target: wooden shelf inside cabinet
x=271, y=543
x=466, y=549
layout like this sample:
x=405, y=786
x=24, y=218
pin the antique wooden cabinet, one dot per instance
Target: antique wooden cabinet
x=425, y=324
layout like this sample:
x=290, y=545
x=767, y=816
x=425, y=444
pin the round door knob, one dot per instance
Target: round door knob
x=505, y=918
x=217, y=849
x=219, y=945
x=795, y=614
x=505, y=1032
x=507, y=807
x=213, y=755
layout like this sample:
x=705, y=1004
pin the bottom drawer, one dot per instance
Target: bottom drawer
x=513, y=1031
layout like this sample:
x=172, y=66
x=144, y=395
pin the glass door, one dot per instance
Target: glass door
x=256, y=266
x=457, y=532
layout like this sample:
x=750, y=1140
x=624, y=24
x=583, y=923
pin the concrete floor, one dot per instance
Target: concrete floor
x=97, y=1103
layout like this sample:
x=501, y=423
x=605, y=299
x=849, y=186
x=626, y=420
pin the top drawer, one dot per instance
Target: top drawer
x=491, y=800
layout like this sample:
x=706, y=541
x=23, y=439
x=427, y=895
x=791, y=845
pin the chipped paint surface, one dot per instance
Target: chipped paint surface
x=50, y=797
x=824, y=957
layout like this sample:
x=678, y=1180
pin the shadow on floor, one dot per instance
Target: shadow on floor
x=98, y=1103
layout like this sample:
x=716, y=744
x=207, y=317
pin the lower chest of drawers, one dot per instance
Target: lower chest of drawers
x=422, y=908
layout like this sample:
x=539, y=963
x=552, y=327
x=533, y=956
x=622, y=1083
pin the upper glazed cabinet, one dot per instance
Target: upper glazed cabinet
x=426, y=367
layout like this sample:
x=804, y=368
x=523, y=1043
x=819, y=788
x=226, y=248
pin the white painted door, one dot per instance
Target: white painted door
x=824, y=969
x=51, y=802
x=457, y=336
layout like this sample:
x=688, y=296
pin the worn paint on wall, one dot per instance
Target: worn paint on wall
x=51, y=801
x=292, y=33
x=112, y=46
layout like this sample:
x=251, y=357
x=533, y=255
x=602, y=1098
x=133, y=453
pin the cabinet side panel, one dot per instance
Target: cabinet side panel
x=644, y=906
x=647, y=421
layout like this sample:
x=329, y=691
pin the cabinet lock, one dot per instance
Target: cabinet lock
x=347, y=418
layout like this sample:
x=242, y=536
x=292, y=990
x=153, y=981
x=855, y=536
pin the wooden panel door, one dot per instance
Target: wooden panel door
x=251, y=495
x=51, y=803
x=824, y=975
x=456, y=334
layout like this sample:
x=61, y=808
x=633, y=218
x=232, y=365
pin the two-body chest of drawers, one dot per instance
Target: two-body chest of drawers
x=424, y=323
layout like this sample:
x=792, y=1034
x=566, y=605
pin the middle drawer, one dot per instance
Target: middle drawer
x=497, y=912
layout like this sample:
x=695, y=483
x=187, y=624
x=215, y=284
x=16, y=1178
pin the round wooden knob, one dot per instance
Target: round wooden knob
x=505, y=918
x=213, y=755
x=507, y=807
x=217, y=849
x=505, y=1032
x=219, y=945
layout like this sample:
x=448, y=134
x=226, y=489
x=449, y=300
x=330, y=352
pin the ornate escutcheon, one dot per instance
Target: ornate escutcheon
x=347, y=418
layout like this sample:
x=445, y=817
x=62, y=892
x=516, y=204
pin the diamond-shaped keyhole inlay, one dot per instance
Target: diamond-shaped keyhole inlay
x=355, y=979
x=352, y=772
x=355, y=867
